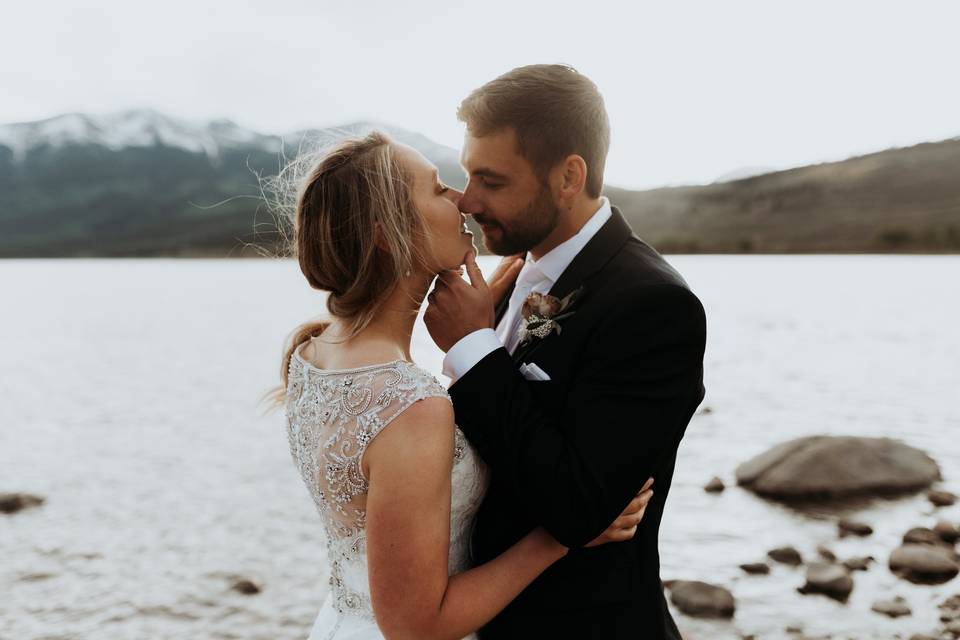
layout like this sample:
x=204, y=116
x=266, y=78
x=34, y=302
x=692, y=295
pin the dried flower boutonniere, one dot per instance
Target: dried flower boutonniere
x=542, y=314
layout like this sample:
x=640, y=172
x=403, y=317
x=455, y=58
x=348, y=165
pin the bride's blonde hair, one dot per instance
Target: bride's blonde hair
x=356, y=231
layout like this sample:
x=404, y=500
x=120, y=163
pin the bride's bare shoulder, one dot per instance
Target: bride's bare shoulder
x=424, y=431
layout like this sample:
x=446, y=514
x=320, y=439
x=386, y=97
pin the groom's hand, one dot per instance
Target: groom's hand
x=457, y=308
x=625, y=526
x=504, y=276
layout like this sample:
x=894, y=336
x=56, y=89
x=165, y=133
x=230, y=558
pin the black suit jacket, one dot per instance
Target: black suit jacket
x=570, y=453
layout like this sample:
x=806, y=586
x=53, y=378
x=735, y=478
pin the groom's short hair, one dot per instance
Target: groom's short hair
x=554, y=110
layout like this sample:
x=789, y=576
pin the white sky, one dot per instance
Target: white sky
x=694, y=89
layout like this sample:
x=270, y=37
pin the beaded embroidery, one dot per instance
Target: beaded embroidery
x=332, y=416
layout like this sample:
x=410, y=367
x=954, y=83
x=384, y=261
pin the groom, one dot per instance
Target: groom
x=578, y=395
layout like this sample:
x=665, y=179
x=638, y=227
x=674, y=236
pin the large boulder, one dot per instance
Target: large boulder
x=817, y=467
x=701, y=599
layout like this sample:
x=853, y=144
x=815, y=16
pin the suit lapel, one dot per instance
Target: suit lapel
x=598, y=251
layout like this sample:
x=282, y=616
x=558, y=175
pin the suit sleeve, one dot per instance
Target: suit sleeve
x=637, y=383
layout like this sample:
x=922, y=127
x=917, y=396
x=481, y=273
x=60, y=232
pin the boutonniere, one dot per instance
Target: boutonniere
x=542, y=314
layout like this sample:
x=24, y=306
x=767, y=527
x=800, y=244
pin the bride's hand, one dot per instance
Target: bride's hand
x=504, y=276
x=625, y=526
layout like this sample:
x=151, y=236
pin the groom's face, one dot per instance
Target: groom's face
x=513, y=207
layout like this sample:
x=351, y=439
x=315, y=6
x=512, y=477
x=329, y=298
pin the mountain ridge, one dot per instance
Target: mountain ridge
x=140, y=183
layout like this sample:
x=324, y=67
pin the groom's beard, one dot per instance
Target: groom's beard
x=531, y=227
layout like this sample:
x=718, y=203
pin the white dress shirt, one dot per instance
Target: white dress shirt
x=536, y=275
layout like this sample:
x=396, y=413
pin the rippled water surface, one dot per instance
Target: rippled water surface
x=128, y=397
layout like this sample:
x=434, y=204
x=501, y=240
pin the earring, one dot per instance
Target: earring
x=407, y=274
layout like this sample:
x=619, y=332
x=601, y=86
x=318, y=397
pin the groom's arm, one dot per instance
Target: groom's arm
x=639, y=379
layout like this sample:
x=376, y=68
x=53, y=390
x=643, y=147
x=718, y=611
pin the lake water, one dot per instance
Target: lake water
x=128, y=397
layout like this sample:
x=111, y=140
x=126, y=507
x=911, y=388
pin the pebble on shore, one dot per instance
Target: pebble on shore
x=947, y=531
x=941, y=498
x=701, y=600
x=756, y=568
x=847, y=527
x=924, y=564
x=714, y=486
x=828, y=579
x=786, y=555
x=246, y=586
x=894, y=608
x=14, y=502
x=858, y=563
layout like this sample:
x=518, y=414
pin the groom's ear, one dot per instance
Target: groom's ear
x=573, y=176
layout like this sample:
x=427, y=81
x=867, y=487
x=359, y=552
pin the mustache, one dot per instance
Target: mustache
x=486, y=221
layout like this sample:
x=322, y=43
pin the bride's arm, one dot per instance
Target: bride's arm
x=408, y=536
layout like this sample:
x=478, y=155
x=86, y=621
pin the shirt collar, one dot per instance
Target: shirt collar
x=555, y=261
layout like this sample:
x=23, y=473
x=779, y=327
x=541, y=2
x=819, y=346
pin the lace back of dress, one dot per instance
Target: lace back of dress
x=332, y=416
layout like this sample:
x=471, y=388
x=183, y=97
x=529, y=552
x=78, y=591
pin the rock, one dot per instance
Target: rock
x=826, y=553
x=924, y=564
x=953, y=602
x=953, y=628
x=893, y=608
x=702, y=600
x=794, y=628
x=786, y=555
x=819, y=467
x=859, y=563
x=947, y=531
x=853, y=528
x=756, y=568
x=921, y=636
x=13, y=502
x=941, y=498
x=950, y=609
x=714, y=486
x=246, y=586
x=706, y=411
x=829, y=579
x=922, y=535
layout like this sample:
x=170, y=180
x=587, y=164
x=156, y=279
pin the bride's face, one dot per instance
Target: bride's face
x=448, y=239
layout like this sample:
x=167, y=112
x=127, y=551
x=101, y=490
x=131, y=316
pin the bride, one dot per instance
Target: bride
x=395, y=482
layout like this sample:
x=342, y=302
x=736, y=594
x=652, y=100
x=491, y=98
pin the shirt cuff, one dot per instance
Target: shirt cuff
x=468, y=351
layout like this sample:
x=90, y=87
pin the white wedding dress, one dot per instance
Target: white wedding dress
x=332, y=415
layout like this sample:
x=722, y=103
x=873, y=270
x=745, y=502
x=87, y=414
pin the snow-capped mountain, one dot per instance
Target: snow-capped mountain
x=140, y=182
x=130, y=128
x=148, y=127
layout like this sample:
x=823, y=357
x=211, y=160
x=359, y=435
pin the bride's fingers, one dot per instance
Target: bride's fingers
x=638, y=502
x=627, y=521
x=473, y=271
x=621, y=535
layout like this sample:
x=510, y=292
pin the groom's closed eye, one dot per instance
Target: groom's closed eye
x=489, y=178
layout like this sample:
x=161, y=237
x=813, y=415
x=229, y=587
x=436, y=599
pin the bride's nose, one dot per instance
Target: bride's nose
x=456, y=195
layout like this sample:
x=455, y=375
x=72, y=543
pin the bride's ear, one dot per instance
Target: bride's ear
x=379, y=239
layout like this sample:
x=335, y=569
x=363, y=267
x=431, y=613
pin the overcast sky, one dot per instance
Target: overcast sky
x=695, y=90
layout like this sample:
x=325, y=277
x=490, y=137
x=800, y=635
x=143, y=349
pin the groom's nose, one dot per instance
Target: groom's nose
x=469, y=203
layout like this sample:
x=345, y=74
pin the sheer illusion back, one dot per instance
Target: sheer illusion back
x=332, y=415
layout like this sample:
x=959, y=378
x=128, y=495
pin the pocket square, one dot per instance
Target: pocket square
x=530, y=371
